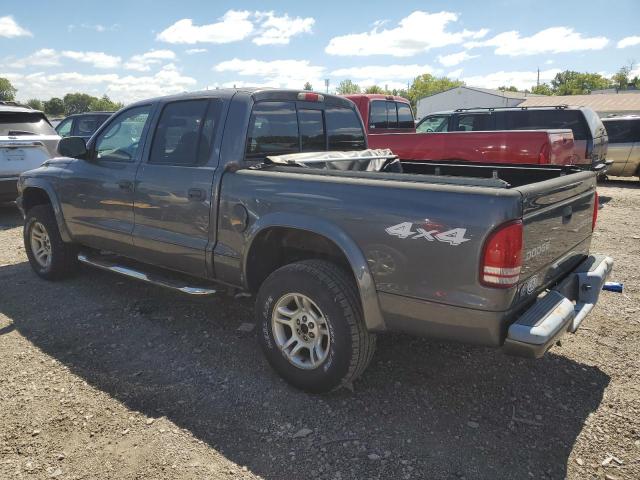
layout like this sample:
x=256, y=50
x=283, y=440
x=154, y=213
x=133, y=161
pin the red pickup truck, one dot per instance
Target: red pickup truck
x=389, y=123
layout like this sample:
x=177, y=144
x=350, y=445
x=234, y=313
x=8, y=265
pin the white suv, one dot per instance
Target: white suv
x=27, y=139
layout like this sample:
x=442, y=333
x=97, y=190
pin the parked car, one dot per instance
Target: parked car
x=27, y=139
x=389, y=124
x=234, y=189
x=82, y=124
x=589, y=133
x=624, y=145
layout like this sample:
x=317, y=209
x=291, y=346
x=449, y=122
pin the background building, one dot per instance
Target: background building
x=625, y=102
x=469, y=97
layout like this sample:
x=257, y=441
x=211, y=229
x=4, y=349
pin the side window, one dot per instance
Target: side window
x=437, y=123
x=273, y=130
x=64, y=128
x=405, y=116
x=547, y=120
x=378, y=114
x=619, y=131
x=344, y=129
x=392, y=115
x=473, y=122
x=312, y=134
x=184, y=134
x=120, y=140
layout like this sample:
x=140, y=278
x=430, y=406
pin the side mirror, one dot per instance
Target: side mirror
x=74, y=147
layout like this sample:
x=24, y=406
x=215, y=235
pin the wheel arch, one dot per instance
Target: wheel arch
x=279, y=239
x=38, y=192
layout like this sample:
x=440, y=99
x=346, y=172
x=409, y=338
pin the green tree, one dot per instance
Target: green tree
x=509, y=89
x=104, y=104
x=427, y=84
x=54, y=107
x=308, y=86
x=77, y=103
x=621, y=79
x=374, y=89
x=542, y=89
x=35, y=104
x=346, y=87
x=7, y=90
x=576, y=83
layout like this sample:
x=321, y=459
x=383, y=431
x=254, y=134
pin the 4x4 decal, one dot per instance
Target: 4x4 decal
x=405, y=230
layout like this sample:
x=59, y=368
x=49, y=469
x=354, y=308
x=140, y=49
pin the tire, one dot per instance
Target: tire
x=62, y=261
x=342, y=346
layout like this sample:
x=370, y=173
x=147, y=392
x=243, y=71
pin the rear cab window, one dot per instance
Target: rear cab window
x=279, y=128
x=24, y=123
x=387, y=114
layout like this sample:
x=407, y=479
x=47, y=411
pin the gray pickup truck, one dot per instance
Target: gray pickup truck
x=272, y=193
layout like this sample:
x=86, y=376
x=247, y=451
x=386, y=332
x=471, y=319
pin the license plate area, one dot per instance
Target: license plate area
x=12, y=154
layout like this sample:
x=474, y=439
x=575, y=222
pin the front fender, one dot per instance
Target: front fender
x=40, y=183
x=368, y=295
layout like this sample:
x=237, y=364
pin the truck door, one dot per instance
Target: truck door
x=97, y=198
x=174, y=187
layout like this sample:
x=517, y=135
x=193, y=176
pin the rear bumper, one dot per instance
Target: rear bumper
x=562, y=309
x=8, y=189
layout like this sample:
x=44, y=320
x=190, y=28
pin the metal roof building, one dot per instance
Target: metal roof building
x=604, y=104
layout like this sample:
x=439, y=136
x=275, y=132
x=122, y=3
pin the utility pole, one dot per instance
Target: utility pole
x=326, y=84
x=538, y=81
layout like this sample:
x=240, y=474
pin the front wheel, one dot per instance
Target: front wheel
x=311, y=326
x=50, y=257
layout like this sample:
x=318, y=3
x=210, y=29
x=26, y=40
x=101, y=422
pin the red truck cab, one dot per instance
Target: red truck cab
x=389, y=123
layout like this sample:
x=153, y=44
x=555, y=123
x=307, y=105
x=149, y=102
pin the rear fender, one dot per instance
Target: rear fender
x=366, y=287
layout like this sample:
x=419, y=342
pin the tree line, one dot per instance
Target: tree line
x=58, y=107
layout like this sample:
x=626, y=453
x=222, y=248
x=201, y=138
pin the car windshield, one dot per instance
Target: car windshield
x=24, y=123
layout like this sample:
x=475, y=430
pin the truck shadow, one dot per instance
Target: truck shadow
x=9, y=216
x=423, y=409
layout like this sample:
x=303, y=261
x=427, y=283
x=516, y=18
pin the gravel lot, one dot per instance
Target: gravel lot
x=103, y=377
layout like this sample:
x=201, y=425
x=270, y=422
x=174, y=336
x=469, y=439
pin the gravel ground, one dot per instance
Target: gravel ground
x=103, y=377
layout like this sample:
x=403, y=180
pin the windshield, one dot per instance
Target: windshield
x=24, y=123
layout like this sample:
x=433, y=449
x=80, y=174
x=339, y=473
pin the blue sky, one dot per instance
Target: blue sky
x=140, y=48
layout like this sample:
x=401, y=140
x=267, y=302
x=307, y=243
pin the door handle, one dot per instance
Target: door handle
x=195, y=194
x=125, y=185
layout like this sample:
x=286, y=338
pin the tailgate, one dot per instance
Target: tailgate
x=557, y=218
x=21, y=153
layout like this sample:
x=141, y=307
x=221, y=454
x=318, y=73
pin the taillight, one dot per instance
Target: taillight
x=502, y=256
x=310, y=97
x=596, y=206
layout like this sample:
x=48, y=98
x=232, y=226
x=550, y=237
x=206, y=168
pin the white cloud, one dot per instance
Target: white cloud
x=232, y=27
x=194, y=51
x=126, y=89
x=455, y=58
x=96, y=27
x=267, y=28
x=144, y=61
x=96, y=59
x=9, y=28
x=519, y=79
x=276, y=30
x=276, y=73
x=373, y=73
x=416, y=33
x=45, y=57
x=629, y=41
x=550, y=40
x=455, y=74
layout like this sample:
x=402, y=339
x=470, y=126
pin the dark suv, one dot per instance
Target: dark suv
x=588, y=131
x=82, y=124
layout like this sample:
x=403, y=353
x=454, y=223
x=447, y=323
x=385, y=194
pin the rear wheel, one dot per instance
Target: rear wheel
x=50, y=257
x=311, y=326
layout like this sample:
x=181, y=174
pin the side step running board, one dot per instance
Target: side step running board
x=167, y=282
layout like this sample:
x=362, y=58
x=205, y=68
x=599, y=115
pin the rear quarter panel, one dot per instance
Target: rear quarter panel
x=376, y=214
